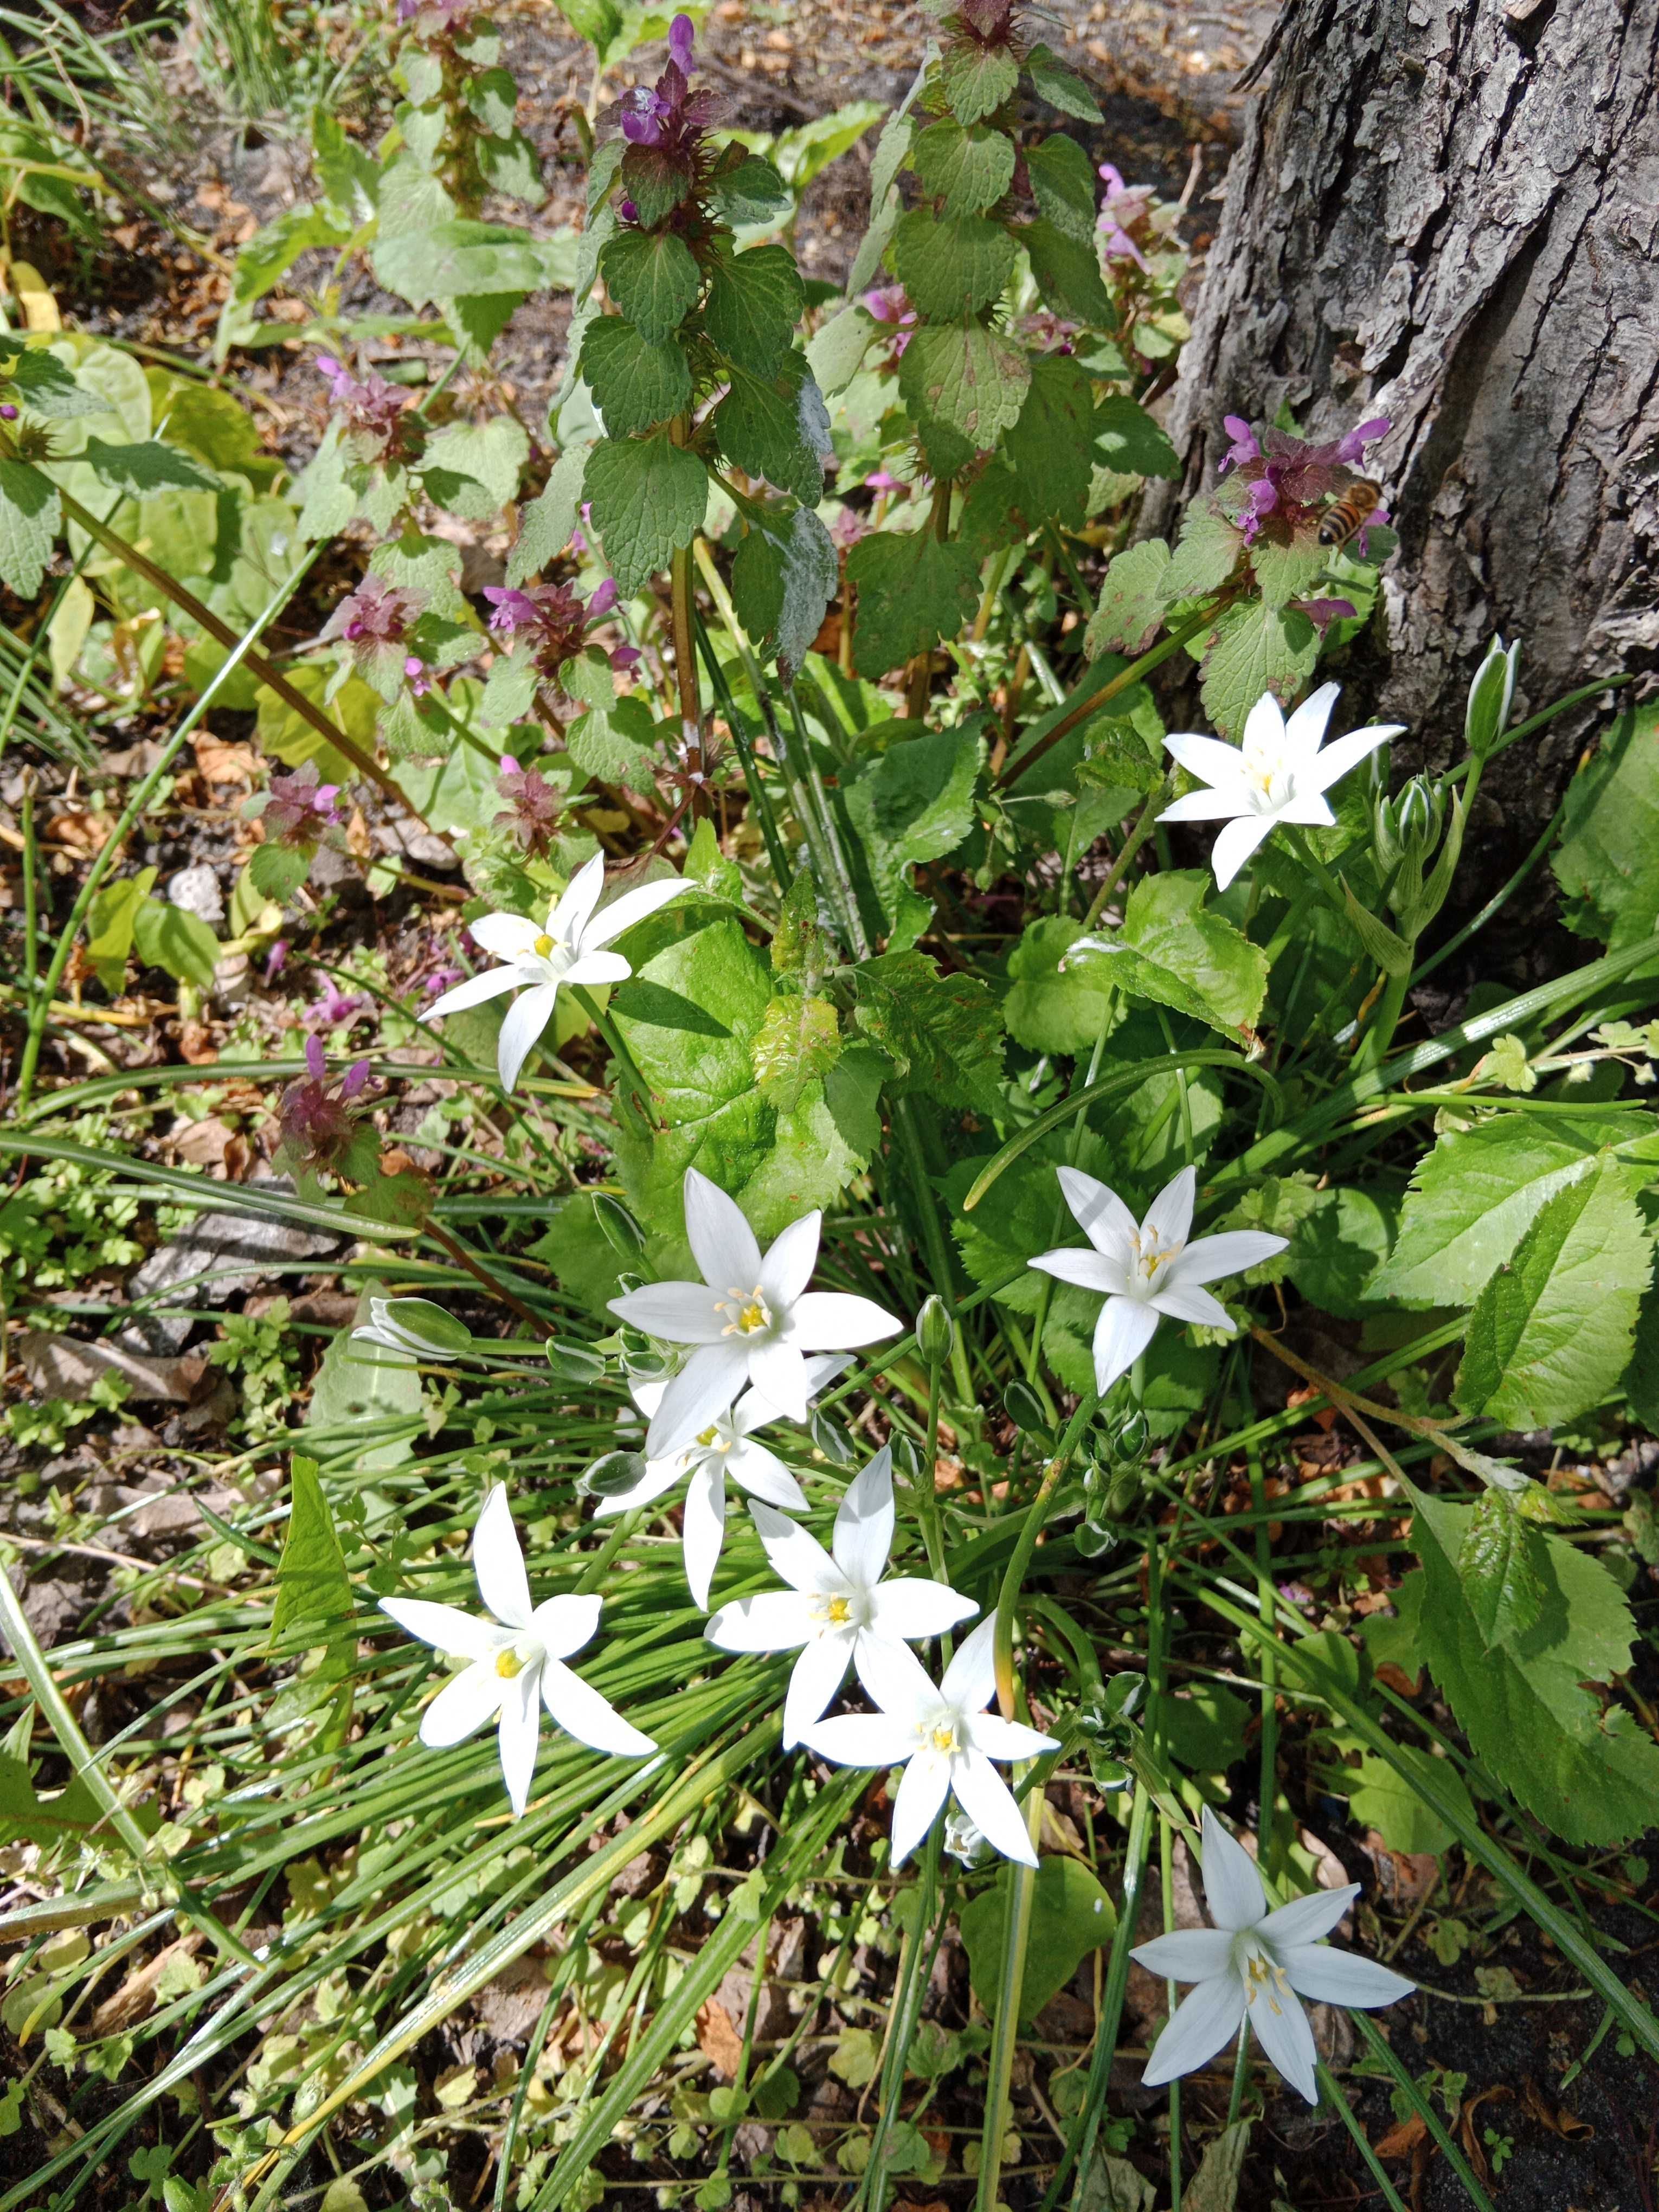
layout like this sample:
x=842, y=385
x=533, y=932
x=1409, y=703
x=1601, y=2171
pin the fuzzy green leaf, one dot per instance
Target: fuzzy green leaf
x=652, y=279
x=977, y=79
x=29, y=522
x=1590, y=1775
x=1551, y=1334
x=26, y=1818
x=1476, y=1195
x=1206, y=554
x=1254, y=649
x=951, y=267
x=648, y=497
x=458, y=259
x=1607, y=861
x=1501, y=1566
x=798, y=1042
x=915, y=804
x=943, y=1033
x=970, y=380
x=1051, y=1008
x=752, y=194
x=1061, y=87
x=1129, y=612
x=636, y=384
x=656, y=179
x=1289, y=571
x=754, y=301
x=776, y=429
x=1174, y=952
x=46, y=384
x=1128, y=441
x=1067, y=272
x=147, y=466
x=546, y=522
x=1063, y=186
x=912, y=593
x=472, y=469
x=784, y=575
x=968, y=169
x=836, y=352
x=1048, y=446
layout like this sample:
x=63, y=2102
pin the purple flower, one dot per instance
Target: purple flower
x=1323, y=612
x=552, y=615
x=530, y=814
x=682, y=33
x=1287, y=476
x=643, y=114
x=880, y=480
x=1124, y=204
x=604, y=598
x=849, y=526
x=1244, y=447
x=627, y=210
x=373, y=410
x=316, y=1060
x=420, y=683
x=298, y=809
x=376, y=614
x=336, y=1008
x=276, y=961
x=889, y=303
x=624, y=657
x=320, y=1121
x=441, y=978
x=8, y=412
x=512, y=610
x=1352, y=447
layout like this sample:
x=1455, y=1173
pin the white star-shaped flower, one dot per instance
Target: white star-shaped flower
x=945, y=1740
x=725, y=1449
x=516, y=1656
x=1280, y=773
x=569, y=949
x=1148, y=1270
x=1257, y=1963
x=748, y=1317
x=837, y=1612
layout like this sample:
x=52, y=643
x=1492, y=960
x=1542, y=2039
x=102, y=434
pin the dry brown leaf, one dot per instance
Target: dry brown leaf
x=717, y=2038
x=1402, y=2139
x=137, y=1993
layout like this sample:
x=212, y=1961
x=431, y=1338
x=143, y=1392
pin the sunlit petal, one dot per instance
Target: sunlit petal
x=816, y=1676
x=864, y=1522
x=1201, y=2024
x=564, y=1623
x=580, y=1711
x=526, y=1017
x=678, y=1313
x=464, y=1704
x=1125, y=1329
x=772, y=1621
x=1187, y=1954
x=1281, y=2026
x=787, y=1268
x=1099, y=1212
x=498, y=1562
x=1327, y=1977
x=519, y=1736
x=704, y=1530
x=988, y=1800
x=836, y=1321
x=1232, y=1887
x=445, y=1627
x=920, y=1796
x=721, y=1241
x=1235, y=845
x=635, y=905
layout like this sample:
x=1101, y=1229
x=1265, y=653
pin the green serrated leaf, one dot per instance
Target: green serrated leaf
x=1129, y=612
x=1175, y=953
x=456, y=260
x=913, y=805
x=943, y=1033
x=636, y=384
x=798, y=1042
x=776, y=429
x=1254, y=649
x=652, y=279
x=969, y=169
x=752, y=194
x=1063, y=186
x=649, y=496
x=1061, y=87
x=146, y=467
x=976, y=79
x=30, y=517
x=836, y=352
x=1501, y=1566
x=366, y=1401
x=473, y=469
x=953, y=266
x=1127, y=440
x=1551, y=1333
x=1206, y=554
x=1607, y=861
x=1289, y=570
x=26, y=1818
x=545, y=524
x=1067, y=272
x=755, y=302
x=784, y=575
x=1476, y=1195
x=657, y=179
x=912, y=593
x=1048, y=445
x=970, y=380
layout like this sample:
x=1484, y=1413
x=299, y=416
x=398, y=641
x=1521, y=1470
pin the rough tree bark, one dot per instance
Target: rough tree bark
x=1447, y=211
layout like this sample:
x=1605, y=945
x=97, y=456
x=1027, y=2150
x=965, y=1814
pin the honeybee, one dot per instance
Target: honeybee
x=1341, y=521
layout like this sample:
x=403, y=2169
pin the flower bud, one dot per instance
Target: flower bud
x=573, y=1363
x=1024, y=1408
x=1489, y=694
x=1129, y=1436
x=621, y=1232
x=612, y=1474
x=936, y=1332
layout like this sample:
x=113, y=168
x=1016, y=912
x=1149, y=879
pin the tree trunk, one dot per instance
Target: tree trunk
x=1447, y=212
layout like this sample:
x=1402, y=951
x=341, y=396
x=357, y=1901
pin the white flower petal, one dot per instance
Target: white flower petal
x=1207, y=1259
x=568, y=919
x=922, y=1790
x=1232, y=1887
x=464, y=1704
x=473, y=992
x=909, y=1610
x=498, y=1562
x=1007, y=1741
x=1187, y=1954
x=1305, y=1919
x=864, y=1523
x=896, y=1679
x=526, y=1017
x=1325, y=1976
x=764, y=1475
x=445, y=1627
x=837, y=1320
x=779, y=1373
x=1281, y=2026
x=517, y=1737
x=660, y=1475
x=1190, y=1302
x=591, y=968
x=580, y=1711
x=771, y=1621
x=1236, y=844
x=722, y=1240
x=1082, y=1265
x=1099, y=1212
x=1345, y=753
x=699, y=1394
x=863, y=1739
x=1304, y=730
x=1308, y=807
x=565, y=1624
x=1169, y=1216
x=1219, y=765
x=1264, y=728
x=506, y=936
x=818, y=1674
x=797, y=1556
x=988, y=1800
x=1210, y=805
x=677, y=1313
x=635, y=905
x=704, y=1530
x=787, y=1267
x=1201, y=2024
x=1126, y=1327
x=970, y=1679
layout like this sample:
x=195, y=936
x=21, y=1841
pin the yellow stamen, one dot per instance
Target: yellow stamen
x=508, y=1663
x=708, y=1437
x=752, y=1311
x=945, y=1737
x=544, y=945
x=840, y=1611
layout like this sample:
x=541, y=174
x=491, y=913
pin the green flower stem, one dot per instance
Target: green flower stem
x=908, y=1130
x=593, y=1574
x=902, y=2018
x=759, y=797
x=31, y=892
x=1020, y=1889
x=1156, y=1644
x=1331, y=2090
x=1145, y=822
x=1267, y=1790
x=1079, y=2150
x=1090, y=697
x=1497, y=900
x=1008, y=1597
x=1241, y=2071
x=932, y=1534
x=241, y=649
x=104, y=859
x=624, y=1059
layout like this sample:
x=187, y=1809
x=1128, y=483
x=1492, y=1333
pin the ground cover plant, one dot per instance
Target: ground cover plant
x=781, y=1395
